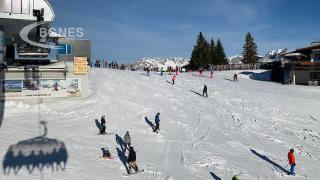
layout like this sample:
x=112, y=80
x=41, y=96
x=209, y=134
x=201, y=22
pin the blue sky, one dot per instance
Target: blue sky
x=126, y=30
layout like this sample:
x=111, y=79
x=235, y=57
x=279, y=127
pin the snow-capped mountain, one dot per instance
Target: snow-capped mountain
x=274, y=55
x=235, y=59
x=161, y=62
x=270, y=56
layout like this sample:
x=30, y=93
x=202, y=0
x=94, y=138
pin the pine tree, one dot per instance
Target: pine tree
x=220, y=56
x=212, y=49
x=250, y=51
x=200, y=54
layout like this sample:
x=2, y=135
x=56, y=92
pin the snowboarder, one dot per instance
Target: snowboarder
x=106, y=153
x=235, y=77
x=157, y=121
x=205, y=89
x=103, y=124
x=173, y=79
x=292, y=161
x=127, y=141
x=236, y=177
x=132, y=161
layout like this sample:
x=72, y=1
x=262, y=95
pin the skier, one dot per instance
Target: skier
x=106, y=153
x=235, y=77
x=103, y=125
x=55, y=86
x=205, y=89
x=127, y=141
x=173, y=79
x=148, y=71
x=177, y=70
x=292, y=161
x=211, y=74
x=157, y=121
x=200, y=72
x=132, y=161
x=161, y=71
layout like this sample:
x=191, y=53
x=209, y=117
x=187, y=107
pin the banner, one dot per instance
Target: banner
x=80, y=65
x=25, y=89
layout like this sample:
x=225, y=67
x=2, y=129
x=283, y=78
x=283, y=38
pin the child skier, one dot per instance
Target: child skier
x=106, y=153
x=127, y=141
x=292, y=161
x=173, y=79
x=132, y=161
x=103, y=125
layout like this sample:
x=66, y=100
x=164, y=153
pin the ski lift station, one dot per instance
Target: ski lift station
x=36, y=62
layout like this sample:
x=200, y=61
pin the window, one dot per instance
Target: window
x=16, y=6
x=5, y=5
x=25, y=6
x=316, y=55
x=314, y=75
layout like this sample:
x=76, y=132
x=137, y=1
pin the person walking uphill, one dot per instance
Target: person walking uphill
x=132, y=161
x=127, y=141
x=292, y=161
x=157, y=121
x=205, y=89
x=173, y=79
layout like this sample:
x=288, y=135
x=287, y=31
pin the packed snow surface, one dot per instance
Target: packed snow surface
x=244, y=128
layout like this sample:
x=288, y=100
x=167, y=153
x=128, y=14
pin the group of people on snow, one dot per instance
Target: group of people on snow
x=127, y=146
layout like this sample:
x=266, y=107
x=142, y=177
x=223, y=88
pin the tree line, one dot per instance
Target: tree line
x=205, y=54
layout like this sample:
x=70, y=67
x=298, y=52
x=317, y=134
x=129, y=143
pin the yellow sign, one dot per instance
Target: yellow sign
x=80, y=65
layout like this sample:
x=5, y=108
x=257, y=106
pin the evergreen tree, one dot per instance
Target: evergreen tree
x=212, y=49
x=219, y=55
x=200, y=54
x=250, y=51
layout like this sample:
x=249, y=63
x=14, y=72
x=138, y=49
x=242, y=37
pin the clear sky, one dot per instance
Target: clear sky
x=126, y=30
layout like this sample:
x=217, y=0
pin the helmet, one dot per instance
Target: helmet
x=291, y=150
x=236, y=177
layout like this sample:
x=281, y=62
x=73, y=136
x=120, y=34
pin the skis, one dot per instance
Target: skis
x=140, y=171
x=110, y=133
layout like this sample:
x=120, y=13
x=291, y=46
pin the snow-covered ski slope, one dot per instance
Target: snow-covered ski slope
x=243, y=128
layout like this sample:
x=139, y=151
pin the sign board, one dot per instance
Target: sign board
x=80, y=65
x=28, y=89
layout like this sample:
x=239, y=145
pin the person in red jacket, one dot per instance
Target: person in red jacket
x=173, y=79
x=292, y=161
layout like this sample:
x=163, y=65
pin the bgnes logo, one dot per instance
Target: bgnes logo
x=70, y=32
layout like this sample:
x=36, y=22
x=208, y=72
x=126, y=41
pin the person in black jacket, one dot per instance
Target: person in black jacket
x=205, y=90
x=103, y=124
x=132, y=160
